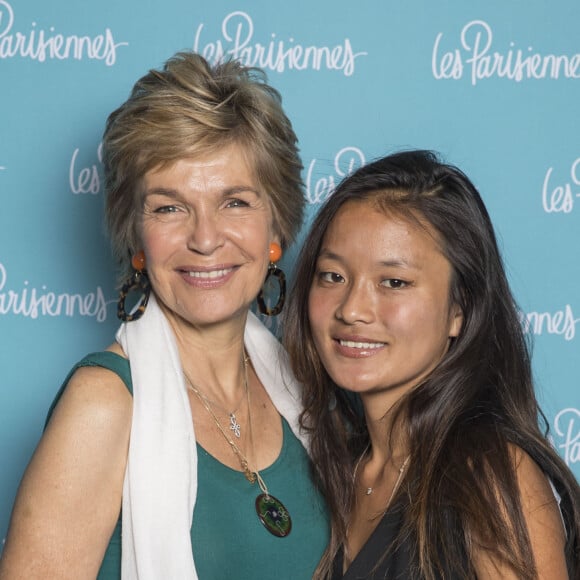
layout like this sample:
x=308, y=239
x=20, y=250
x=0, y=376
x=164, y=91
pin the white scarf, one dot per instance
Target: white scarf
x=160, y=484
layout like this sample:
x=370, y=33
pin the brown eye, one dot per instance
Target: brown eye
x=331, y=277
x=394, y=283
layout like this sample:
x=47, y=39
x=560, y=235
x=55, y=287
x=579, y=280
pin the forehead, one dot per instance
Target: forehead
x=226, y=165
x=367, y=220
x=365, y=238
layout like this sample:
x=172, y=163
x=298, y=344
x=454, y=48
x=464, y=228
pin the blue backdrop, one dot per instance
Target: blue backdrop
x=493, y=85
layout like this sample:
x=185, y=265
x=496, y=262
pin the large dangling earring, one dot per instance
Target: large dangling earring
x=138, y=281
x=273, y=271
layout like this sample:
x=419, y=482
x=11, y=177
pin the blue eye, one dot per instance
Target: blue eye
x=237, y=203
x=165, y=209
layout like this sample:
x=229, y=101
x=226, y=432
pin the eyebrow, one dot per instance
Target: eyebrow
x=396, y=262
x=170, y=192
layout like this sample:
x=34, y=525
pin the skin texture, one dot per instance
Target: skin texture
x=208, y=217
x=381, y=320
x=544, y=526
x=204, y=215
x=381, y=288
x=70, y=496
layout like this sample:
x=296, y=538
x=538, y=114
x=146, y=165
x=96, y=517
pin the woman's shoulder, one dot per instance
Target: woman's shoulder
x=541, y=516
x=99, y=385
x=532, y=483
x=536, y=491
x=70, y=495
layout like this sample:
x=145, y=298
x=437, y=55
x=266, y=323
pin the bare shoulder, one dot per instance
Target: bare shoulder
x=70, y=496
x=535, y=489
x=543, y=521
x=94, y=394
x=543, y=517
x=117, y=349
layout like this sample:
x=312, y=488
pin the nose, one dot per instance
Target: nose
x=205, y=234
x=357, y=304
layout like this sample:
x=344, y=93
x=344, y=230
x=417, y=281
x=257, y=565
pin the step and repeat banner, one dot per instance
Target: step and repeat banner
x=494, y=86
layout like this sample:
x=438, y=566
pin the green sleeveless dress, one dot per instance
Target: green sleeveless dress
x=227, y=537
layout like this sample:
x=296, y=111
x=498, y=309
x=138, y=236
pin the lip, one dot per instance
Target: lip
x=207, y=276
x=357, y=346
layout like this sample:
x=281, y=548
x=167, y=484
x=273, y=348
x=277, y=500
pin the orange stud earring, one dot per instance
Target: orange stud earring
x=139, y=281
x=277, y=274
x=138, y=261
x=275, y=252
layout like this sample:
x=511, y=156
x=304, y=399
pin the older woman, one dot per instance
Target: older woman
x=187, y=425
x=402, y=304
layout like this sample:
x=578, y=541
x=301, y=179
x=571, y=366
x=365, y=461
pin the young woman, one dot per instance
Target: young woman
x=418, y=387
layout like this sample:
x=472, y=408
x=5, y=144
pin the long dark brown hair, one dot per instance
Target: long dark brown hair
x=461, y=421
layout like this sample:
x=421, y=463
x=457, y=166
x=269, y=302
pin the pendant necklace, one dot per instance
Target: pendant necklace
x=250, y=476
x=234, y=424
x=370, y=490
x=270, y=510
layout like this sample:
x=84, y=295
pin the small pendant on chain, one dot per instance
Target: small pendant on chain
x=234, y=425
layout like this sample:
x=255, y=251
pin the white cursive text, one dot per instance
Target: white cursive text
x=561, y=322
x=32, y=302
x=347, y=160
x=561, y=197
x=40, y=45
x=476, y=54
x=87, y=179
x=567, y=426
x=277, y=55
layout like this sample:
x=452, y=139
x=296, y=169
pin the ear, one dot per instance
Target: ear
x=456, y=321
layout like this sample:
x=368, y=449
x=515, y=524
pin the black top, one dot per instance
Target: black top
x=380, y=558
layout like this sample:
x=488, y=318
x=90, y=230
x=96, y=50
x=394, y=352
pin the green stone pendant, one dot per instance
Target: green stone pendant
x=273, y=515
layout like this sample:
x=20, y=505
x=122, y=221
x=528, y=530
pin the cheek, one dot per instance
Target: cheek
x=254, y=239
x=318, y=312
x=313, y=310
x=398, y=313
x=160, y=239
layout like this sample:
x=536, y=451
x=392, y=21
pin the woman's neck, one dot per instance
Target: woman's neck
x=385, y=429
x=212, y=356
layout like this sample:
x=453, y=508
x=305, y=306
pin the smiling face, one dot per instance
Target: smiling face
x=379, y=302
x=206, y=229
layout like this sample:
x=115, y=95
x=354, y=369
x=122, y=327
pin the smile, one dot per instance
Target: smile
x=210, y=274
x=361, y=345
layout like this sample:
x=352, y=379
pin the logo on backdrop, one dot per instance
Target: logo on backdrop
x=559, y=196
x=347, y=160
x=85, y=179
x=476, y=56
x=41, y=45
x=567, y=427
x=34, y=302
x=275, y=54
x=560, y=322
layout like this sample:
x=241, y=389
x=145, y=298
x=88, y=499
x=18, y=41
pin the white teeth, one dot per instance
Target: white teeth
x=210, y=274
x=362, y=345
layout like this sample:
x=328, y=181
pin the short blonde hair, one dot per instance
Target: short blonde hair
x=191, y=108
